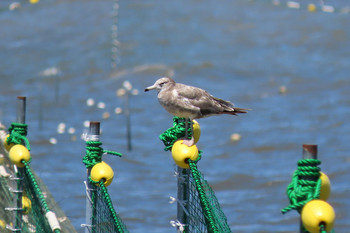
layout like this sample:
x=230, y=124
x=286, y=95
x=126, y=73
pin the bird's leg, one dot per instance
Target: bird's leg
x=188, y=142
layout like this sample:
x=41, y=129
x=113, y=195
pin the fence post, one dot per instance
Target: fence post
x=183, y=193
x=94, y=135
x=309, y=152
x=19, y=171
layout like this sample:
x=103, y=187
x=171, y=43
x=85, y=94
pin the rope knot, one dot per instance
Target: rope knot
x=94, y=153
x=171, y=135
x=305, y=185
x=18, y=133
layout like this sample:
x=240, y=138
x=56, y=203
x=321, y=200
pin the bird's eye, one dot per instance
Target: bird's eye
x=161, y=84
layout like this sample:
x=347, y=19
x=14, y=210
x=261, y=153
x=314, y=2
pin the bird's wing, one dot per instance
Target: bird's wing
x=201, y=99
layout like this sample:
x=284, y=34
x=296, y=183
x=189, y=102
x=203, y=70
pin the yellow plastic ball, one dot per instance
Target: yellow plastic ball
x=311, y=7
x=196, y=131
x=7, y=146
x=316, y=212
x=102, y=171
x=325, y=187
x=26, y=205
x=182, y=152
x=19, y=153
x=2, y=224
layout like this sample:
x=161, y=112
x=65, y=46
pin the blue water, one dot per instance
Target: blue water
x=242, y=51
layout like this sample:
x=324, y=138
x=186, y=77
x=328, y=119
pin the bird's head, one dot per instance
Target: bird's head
x=161, y=84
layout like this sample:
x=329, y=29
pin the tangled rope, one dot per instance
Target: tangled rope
x=17, y=134
x=94, y=153
x=305, y=185
x=172, y=134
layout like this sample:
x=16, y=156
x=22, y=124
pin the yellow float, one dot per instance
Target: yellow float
x=196, y=131
x=311, y=7
x=181, y=153
x=26, y=205
x=102, y=171
x=325, y=187
x=316, y=212
x=7, y=146
x=18, y=153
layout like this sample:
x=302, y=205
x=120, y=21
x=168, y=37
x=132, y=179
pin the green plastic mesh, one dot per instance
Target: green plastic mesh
x=204, y=217
x=33, y=218
x=105, y=219
x=20, y=186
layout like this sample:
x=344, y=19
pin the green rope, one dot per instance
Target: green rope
x=172, y=134
x=18, y=133
x=305, y=185
x=36, y=187
x=209, y=219
x=94, y=153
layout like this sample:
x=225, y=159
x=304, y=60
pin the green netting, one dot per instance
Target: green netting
x=205, y=214
x=23, y=203
x=202, y=208
x=104, y=218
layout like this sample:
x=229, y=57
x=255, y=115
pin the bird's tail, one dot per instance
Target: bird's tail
x=229, y=107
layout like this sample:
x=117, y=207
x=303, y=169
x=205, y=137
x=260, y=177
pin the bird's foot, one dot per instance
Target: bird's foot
x=188, y=142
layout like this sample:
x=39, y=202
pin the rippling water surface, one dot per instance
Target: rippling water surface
x=242, y=51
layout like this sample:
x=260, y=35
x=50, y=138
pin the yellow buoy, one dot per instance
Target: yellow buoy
x=7, y=146
x=102, y=171
x=19, y=153
x=311, y=7
x=316, y=212
x=196, y=131
x=33, y=1
x=2, y=224
x=325, y=187
x=26, y=205
x=181, y=153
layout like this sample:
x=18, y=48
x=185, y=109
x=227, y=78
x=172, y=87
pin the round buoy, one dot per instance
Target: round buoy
x=325, y=187
x=18, y=153
x=7, y=146
x=316, y=212
x=311, y=7
x=181, y=153
x=26, y=205
x=196, y=131
x=102, y=171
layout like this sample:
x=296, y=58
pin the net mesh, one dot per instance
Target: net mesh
x=105, y=219
x=33, y=216
x=21, y=188
x=198, y=220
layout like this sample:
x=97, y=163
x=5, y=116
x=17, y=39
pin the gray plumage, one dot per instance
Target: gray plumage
x=190, y=102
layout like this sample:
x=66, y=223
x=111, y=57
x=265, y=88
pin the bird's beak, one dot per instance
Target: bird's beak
x=150, y=88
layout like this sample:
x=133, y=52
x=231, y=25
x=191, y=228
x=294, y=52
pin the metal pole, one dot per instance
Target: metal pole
x=183, y=193
x=309, y=152
x=20, y=118
x=94, y=135
x=128, y=120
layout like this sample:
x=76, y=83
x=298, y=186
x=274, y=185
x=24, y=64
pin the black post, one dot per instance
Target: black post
x=183, y=193
x=20, y=118
x=309, y=152
x=94, y=135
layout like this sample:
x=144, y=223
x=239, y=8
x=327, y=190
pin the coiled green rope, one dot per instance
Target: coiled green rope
x=172, y=134
x=17, y=134
x=94, y=153
x=305, y=185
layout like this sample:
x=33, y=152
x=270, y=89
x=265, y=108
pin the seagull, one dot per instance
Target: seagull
x=190, y=102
